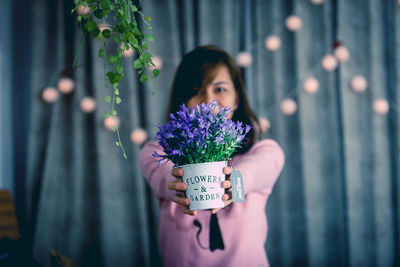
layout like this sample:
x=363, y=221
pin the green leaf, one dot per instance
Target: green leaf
x=95, y=33
x=118, y=100
x=149, y=37
x=113, y=59
x=91, y=26
x=107, y=99
x=102, y=53
x=144, y=45
x=120, y=69
x=106, y=115
x=114, y=112
x=143, y=78
x=147, y=56
x=133, y=8
x=106, y=33
x=156, y=72
x=137, y=64
x=116, y=91
x=110, y=75
x=116, y=78
x=116, y=38
x=117, y=143
x=147, y=18
x=105, y=4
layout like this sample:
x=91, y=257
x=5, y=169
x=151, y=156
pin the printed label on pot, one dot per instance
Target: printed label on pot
x=203, y=181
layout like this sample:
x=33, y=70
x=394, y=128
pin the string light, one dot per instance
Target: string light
x=381, y=106
x=244, y=59
x=317, y=2
x=138, y=136
x=311, y=85
x=157, y=62
x=342, y=53
x=111, y=121
x=329, y=62
x=294, y=23
x=265, y=124
x=66, y=85
x=88, y=104
x=127, y=53
x=358, y=83
x=83, y=10
x=288, y=107
x=50, y=94
x=273, y=43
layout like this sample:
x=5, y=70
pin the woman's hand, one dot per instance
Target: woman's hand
x=227, y=197
x=179, y=186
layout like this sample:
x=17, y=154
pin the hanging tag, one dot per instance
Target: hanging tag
x=237, y=186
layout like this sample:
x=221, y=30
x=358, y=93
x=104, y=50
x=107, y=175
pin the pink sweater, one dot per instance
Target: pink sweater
x=243, y=225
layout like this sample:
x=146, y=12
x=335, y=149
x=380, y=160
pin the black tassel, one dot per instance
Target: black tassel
x=216, y=241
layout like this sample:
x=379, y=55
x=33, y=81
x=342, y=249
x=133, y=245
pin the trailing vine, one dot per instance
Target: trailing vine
x=125, y=32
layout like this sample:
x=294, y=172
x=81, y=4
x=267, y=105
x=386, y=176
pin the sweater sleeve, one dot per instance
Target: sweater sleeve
x=157, y=176
x=261, y=166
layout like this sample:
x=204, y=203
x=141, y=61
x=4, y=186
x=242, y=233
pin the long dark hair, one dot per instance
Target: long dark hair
x=198, y=69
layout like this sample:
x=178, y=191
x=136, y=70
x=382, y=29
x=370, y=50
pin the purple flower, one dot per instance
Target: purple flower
x=200, y=134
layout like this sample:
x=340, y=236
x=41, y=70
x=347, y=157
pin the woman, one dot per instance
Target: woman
x=234, y=235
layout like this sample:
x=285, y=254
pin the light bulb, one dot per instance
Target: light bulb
x=288, y=107
x=138, y=136
x=50, y=94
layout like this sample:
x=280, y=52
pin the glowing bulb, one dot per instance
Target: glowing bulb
x=342, y=53
x=127, y=53
x=138, y=136
x=311, y=85
x=265, y=124
x=294, y=23
x=288, y=107
x=317, y=2
x=50, y=94
x=83, y=10
x=244, y=59
x=88, y=104
x=66, y=85
x=111, y=121
x=358, y=83
x=157, y=62
x=104, y=26
x=381, y=106
x=273, y=43
x=329, y=62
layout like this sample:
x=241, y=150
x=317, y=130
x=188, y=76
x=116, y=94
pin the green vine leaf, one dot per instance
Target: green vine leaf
x=143, y=78
x=124, y=31
x=156, y=72
x=137, y=64
x=91, y=26
x=150, y=37
x=102, y=53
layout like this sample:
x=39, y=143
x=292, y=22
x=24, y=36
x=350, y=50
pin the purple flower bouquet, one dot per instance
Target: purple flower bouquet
x=201, y=141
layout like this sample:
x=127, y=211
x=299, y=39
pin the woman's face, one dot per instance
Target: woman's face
x=220, y=89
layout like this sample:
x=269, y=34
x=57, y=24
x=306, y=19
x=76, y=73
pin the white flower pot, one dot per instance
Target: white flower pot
x=203, y=181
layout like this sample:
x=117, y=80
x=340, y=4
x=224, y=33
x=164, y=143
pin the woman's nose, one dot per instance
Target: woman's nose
x=209, y=97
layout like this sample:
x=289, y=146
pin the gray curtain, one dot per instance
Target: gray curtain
x=337, y=201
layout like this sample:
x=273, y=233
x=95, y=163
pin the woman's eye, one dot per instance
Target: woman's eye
x=221, y=89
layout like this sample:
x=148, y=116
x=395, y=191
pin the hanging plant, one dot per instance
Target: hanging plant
x=125, y=33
